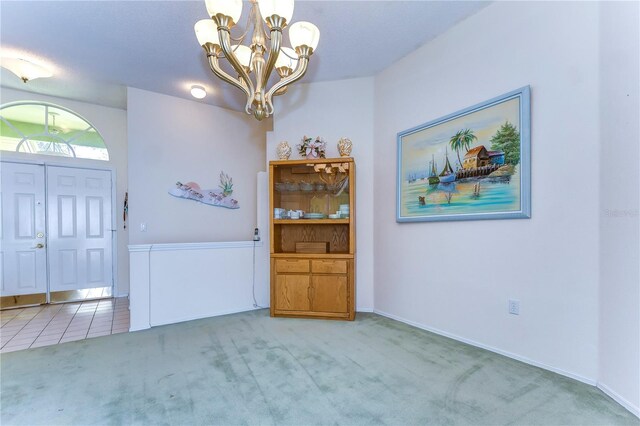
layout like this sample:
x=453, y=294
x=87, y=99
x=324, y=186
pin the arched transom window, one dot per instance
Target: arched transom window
x=42, y=128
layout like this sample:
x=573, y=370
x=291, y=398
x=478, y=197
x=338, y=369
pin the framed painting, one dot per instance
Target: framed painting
x=472, y=164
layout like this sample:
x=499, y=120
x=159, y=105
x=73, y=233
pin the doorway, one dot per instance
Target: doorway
x=56, y=234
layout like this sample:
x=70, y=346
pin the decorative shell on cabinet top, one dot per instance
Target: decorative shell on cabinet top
x=284, y=150
x=344, y=147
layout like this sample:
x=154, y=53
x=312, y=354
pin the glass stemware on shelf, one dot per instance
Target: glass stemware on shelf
x=334, y=184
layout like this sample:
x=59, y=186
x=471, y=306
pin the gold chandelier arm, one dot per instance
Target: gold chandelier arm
x=301, y=69
x=275, y=24
x=214, y=64
x=224, y=35
x=281, y=87
x=282, y=91
x=263, y=72
x=284, y=72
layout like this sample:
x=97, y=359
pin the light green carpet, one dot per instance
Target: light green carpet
x=251, y=369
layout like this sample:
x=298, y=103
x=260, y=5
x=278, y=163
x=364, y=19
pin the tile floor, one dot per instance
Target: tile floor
x=52, y=324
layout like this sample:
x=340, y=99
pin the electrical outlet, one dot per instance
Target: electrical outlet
x=514, y=307
x=143, y=227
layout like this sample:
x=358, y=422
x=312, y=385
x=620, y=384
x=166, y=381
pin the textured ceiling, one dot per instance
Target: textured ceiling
x=98, y=48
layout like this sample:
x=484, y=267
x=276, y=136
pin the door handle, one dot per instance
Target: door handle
x=38, y=246
x=310, y=292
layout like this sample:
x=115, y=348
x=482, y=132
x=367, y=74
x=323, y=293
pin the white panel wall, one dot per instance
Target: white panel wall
x=619, y=193
x=435, y=275
x=182, y=282
x=112, y=125
x=333, y=110
x=172, y=139
x=221, y=286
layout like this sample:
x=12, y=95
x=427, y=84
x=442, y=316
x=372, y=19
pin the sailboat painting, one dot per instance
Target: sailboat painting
x=472, y=164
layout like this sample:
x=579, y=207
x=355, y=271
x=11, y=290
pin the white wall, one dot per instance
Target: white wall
x=548, y=262
x=112, y=125
x=619, y=205
x=333, y=110
x=172, y=139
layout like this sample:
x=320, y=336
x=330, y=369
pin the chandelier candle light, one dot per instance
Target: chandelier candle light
x=214, y=35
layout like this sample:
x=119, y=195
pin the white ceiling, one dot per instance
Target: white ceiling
x=98, y=48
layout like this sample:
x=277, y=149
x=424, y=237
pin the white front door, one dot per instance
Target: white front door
x=79, y=222
x=23, y=257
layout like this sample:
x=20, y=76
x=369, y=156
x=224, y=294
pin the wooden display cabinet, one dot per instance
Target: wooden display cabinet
x=306, y=281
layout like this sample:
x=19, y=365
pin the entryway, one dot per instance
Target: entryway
x=56, y=234
x=46, y=325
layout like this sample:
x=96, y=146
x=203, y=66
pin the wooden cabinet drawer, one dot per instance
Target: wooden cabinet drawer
x=292, y=265
x=329, y=266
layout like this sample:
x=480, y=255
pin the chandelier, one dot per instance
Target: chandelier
x=256, y=57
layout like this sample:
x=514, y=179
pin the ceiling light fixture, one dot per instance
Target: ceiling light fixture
x=198, y=92
x=214, y=35
x=26, y=69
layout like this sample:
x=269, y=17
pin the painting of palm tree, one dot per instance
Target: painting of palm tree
x=462, y=140
x=492, y=181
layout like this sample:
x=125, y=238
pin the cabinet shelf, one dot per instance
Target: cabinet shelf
x=299, y=192
x=311, y=221
x=293, y=255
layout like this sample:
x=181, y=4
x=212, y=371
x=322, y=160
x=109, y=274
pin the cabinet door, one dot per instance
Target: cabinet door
x=292, y=293
x=329, y=293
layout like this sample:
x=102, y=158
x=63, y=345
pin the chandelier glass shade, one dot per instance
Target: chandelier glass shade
x=260, y=55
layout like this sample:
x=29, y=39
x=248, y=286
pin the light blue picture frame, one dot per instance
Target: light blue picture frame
x=483, y=187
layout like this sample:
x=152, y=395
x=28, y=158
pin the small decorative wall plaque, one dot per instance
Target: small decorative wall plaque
x=219, y=197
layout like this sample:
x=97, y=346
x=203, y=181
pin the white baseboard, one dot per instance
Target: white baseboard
x=634, y=409
x=209, y=315
x=365, y=309
x=184, y=319
x=490, y=348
